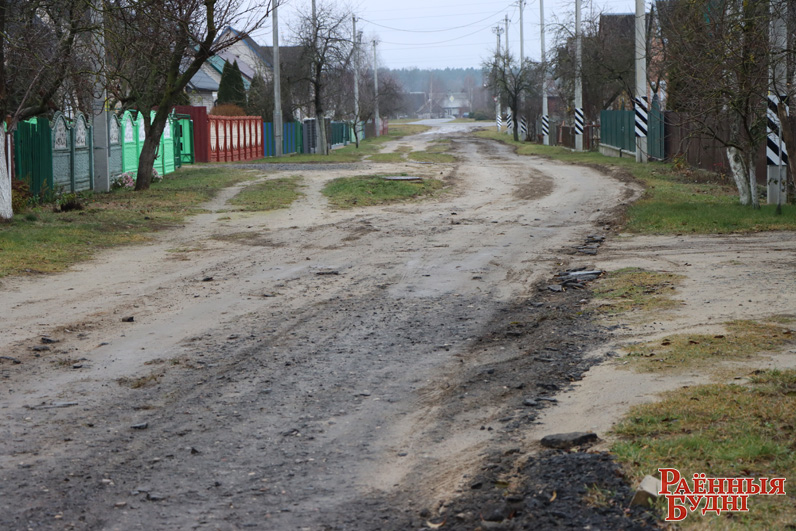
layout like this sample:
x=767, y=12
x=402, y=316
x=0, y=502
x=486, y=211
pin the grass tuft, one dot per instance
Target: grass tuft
x=683, y=352
x=636, y=289
x=348, y=192
x=268, y=195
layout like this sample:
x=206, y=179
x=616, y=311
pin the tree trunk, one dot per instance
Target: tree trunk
x=739, y=174
x=750, y=163
x=515, y=124
x=787, y=138
x=6, y=208
x=146, y=161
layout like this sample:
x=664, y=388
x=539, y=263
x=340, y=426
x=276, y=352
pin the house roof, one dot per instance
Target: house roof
x=201, y=81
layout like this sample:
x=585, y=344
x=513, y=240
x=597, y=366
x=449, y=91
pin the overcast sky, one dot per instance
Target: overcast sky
x=448, y=33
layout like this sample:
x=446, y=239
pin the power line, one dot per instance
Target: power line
x=438, y=42
x=436, y=30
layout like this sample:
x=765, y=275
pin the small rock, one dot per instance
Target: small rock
x=141, y=426
x=568, y=440
x=365, y=393
x=77, y=366
x=555, y=288
x=530, y=402
x=647, y=492
x=48, y=340
x=128, y=319
x=207, y=279
x=494, y=514
x=194, y=451
x=40, y=349
x=119, y=505
x=15, y=361
x=477, y=485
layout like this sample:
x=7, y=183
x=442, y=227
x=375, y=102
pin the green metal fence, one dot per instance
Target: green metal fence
x=617, y=129
x=169, y=156
x=33, y=161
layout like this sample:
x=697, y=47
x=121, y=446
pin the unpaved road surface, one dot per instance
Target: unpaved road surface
x=311, y=368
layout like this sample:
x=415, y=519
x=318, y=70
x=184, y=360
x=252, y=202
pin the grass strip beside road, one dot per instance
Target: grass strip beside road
x=43, y=241
x=676, y=200
x=721, y=430
x=349, y=192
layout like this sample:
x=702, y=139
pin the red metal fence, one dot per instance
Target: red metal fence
x=201, y=131
x=235, y=138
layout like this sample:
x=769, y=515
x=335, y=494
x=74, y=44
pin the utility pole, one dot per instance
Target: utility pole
x=545, y=117
x=376, y=119
x=776, y=150
x=507, y=34
x=578, y=78
x=356, y=80
x=497, y=30
x=641, y=83
x=277, y=88
x=100, y=119
x=522, y=39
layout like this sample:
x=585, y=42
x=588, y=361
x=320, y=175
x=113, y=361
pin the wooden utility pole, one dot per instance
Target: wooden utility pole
x=277, y=87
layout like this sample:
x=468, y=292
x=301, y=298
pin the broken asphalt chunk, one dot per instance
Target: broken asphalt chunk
x=565, y=441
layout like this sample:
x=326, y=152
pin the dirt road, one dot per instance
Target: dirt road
x=305, y=368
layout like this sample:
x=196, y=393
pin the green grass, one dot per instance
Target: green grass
x=42, y=241
x=350, y=153
x=387, y=157
x=685, y=352
x=436, y=158
x=676, y=201
x=348, y=192
x=722, y=430
x=635, y=289
x=271, y=194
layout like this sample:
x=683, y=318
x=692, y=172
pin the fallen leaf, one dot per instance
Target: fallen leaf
x=553, y=497
x=432, y=525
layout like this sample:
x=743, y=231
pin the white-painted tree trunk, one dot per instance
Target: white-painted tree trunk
x=6, y=210
x=739, y=174
x=750, y=164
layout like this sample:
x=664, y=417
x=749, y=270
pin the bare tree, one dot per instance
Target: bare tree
x=511, y=79
x=327, y=47
x=607, y=70
x=717, y=59
x=155, y=47
x=40, y=51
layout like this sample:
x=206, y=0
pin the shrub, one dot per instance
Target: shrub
x=20, y=196
x=228, y=109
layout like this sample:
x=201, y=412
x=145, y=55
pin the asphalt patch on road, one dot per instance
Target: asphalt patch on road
x=549, y=338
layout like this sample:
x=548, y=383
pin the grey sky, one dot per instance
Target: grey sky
x=428, y=39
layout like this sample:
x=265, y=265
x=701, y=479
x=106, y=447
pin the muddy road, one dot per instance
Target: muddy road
x=309, y=368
